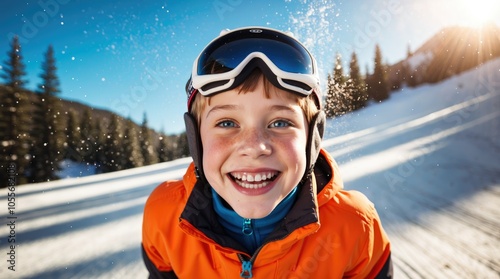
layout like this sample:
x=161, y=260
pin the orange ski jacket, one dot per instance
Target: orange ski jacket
x=328, y=233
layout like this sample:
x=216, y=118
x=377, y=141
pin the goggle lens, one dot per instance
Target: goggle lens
x=229, y=51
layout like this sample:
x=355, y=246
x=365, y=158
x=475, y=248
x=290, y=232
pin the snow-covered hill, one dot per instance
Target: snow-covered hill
x=429, y=158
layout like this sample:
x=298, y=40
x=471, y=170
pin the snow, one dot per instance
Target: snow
x=71, y=168
x=419, y=59
x=428, y=158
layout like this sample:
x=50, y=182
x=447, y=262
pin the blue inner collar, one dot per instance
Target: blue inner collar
x=251, y=232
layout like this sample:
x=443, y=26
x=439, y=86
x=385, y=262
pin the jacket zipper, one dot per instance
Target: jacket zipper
x=247, y=227
x=247, y=264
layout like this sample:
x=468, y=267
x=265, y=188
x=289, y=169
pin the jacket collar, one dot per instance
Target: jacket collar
x=315, y=191
x=327, y=175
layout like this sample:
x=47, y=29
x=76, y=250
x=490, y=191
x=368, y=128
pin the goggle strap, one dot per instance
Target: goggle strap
x=191, y=93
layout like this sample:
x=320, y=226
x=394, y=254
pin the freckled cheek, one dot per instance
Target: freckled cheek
x=293, y=149
x=215, y=152
x=215, y=146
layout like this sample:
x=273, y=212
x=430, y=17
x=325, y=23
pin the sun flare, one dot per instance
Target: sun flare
x=478, y=12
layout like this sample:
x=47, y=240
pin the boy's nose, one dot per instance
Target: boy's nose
x=255, y=143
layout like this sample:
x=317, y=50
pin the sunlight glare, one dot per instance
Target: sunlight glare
x=478, y=12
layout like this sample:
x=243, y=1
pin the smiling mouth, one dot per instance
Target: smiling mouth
x=253, y=181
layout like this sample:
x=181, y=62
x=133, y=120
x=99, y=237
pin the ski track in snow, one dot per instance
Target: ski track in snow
x=429, y=158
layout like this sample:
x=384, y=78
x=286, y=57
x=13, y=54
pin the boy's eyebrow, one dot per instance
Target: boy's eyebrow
x=286, y=108
x=222, y=107
x=235, y=107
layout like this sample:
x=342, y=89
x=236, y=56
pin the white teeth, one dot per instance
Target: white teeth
x=243, y=178
x=250, y=178
x=258, y=178
x=251, y=186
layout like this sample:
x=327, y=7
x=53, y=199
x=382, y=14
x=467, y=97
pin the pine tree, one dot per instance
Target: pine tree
x=403, y=73
x=37, y=163
x=330, y=101
x=379, y=89
x=14, y=121
x=98, y=143
x=113, y=151
x=357, y=85
x=87, y=137
x=181, y=146
x=184, y=145
x=131, y=149
x=338, y=71
x=164, y=150
x=337, y=100
x=49, y=135
x=147, y=148
x=411, y=77
x=72, y=144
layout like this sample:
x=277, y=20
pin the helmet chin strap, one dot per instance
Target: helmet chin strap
x=313, y=147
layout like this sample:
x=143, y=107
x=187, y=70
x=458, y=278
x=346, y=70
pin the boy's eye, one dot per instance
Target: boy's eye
x=280, y=124
x=226, y=124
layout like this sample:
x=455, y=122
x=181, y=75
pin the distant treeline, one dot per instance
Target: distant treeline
x=38, y=130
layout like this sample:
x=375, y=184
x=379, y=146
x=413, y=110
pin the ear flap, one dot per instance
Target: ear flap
x=316, y=130
x=194, y=143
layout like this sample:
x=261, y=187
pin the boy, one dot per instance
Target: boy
x=261, y=199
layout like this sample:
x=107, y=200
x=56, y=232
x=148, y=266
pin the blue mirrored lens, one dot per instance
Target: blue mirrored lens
x=229, y=51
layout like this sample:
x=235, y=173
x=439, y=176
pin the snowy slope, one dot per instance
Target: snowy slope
x=428, y=158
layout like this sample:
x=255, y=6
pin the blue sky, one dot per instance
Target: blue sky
x=134, y=57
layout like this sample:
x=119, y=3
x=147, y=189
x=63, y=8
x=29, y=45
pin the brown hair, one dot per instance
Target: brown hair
x=308, y=104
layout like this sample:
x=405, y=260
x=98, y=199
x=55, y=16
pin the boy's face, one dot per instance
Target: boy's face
x=253, y=148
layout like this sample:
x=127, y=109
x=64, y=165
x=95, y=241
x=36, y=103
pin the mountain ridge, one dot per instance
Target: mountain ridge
x=450, y=51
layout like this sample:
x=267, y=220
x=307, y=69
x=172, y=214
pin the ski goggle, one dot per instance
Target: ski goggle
x=226, y=62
